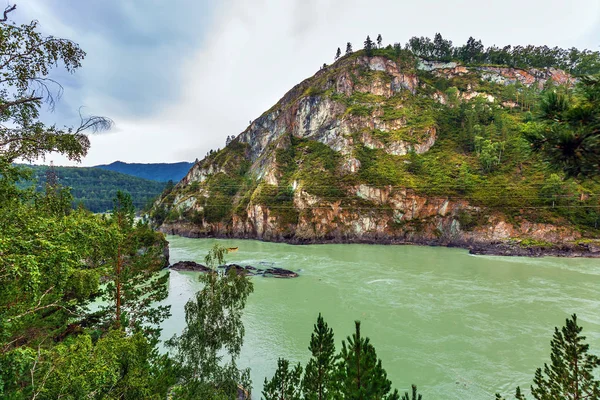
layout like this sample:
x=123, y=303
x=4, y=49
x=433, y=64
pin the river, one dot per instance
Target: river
x=458, y=326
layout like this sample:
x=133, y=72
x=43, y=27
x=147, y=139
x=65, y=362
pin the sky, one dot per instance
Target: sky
x=179, y=76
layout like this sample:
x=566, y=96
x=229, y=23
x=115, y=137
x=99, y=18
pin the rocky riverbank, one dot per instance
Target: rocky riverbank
x=510, y=247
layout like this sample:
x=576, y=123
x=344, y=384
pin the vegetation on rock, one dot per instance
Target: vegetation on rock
x=494, y=145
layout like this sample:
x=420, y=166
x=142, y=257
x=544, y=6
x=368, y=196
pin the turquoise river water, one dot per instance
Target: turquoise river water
x=458, y=326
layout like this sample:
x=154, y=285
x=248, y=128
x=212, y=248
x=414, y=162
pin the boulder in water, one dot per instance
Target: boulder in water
x=189, y=266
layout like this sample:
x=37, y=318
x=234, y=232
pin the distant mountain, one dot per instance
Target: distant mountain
x=156, y=172
x=95, y=187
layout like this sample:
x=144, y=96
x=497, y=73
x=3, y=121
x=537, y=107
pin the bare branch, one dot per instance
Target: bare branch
x=94, y=123
x=7, y=10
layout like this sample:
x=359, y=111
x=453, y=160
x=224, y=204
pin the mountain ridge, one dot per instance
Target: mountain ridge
x=386, y=149
x=161, y=172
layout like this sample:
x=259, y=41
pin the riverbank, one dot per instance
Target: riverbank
x=511, y=247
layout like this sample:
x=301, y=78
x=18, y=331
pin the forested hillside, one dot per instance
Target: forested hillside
x=426, y=143
x=93, y=187
x=81, y=294
x=162, y=172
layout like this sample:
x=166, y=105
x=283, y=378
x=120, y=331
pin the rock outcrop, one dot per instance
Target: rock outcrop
x=302, y=173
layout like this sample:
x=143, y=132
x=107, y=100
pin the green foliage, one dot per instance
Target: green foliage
x=369, y=46
x=572, y=373
x=319, y=375
x=413, y=396
x=27, y=59
x=378, y=168
x=207, y=349
x=569, y=133
x=95, y=188
x=285, y=384
x=361, y=375
x=134, y=257
x=160, y=172
x=578, y=62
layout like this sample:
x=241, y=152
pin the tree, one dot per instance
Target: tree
x=472, y=52
x=52, y=259
x=442, y=48
x=285, y=384
x=369, y=45
x=26, y=60
x=569, y=129
x=552, y=190
x=361, y=375
x=414, y=396
x=214, y=331
x=348, y=48
x=135, y=259
x=319, y=380
x=338, y=54
x=573, y=372
x=379, y=40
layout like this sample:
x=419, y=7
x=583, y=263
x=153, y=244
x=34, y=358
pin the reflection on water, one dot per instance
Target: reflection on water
x=458, y=326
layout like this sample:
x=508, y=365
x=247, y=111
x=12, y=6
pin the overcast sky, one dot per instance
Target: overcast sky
x=179, y=76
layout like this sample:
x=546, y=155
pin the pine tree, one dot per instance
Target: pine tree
x=369, y=46
x=318, y=383
x=136, y=283
x=348, y=48
x=338, y=54
x=360, y=373
x=285, y=384
x=414, y=396
x=573, y=371
x=379, y=40
x=571, y=374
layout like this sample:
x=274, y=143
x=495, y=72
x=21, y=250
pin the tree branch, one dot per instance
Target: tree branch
x=7, y=10
x=18, y=102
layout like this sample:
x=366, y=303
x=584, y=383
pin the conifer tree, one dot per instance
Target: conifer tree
x=369, y=46
x=379, y=40
x=338, y=53
x=348, y=48
x=572, y=373
x=319, y=380
x=285, y=384
x=414, y=396
x=136, y=284
x=360, y=373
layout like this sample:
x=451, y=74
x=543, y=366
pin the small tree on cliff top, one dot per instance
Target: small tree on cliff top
x=369, y=46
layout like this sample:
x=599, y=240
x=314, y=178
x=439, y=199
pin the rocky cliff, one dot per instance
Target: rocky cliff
x=389, y=150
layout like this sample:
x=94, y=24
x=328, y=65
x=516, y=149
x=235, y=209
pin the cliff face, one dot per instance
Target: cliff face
x=340, y=158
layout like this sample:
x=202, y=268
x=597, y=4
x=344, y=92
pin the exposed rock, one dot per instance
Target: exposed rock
x=344, y=108
x=272, y=272
x=189, y=266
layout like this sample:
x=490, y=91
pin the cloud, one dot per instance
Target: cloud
x=177, y=84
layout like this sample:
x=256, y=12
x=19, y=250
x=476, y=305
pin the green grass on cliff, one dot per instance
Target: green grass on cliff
x=480, y=154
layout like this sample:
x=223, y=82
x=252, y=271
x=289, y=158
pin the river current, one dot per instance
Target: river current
x=458, y=326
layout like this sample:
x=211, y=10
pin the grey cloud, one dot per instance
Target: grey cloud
x=179, y=84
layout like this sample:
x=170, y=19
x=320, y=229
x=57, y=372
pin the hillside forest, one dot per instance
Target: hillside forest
x=80, y=293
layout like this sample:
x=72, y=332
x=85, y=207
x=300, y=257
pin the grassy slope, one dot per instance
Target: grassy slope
x=480, y=155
